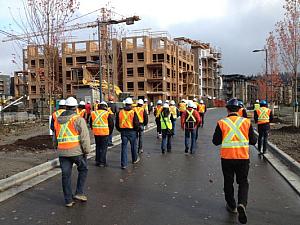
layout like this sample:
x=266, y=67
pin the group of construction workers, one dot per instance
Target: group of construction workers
x=234, y=133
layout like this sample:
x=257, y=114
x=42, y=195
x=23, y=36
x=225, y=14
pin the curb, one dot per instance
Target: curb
x=285, y=165
x=24, y=180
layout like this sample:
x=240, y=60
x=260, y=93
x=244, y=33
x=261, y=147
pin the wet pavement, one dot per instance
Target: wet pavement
x=162, y=189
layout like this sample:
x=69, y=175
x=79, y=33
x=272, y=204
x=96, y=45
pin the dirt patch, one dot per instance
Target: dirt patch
x=287, y=138
x=33, y=144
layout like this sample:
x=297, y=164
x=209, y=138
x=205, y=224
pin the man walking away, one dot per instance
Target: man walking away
x=182, y=107
x=112, y=109
x=81, y=110
x=143, y=120
x=189, y=122
x=57, y=113
x=157, y=112
x=256, y=105
x=146, y=106
x=263, y=116
x=166, y=128
x=235, y=133
x=175, y=114
x=127, y=123
x=88, y=109
x=102, y=124
x=73, y=144
x=242, y=111
x=202, y=110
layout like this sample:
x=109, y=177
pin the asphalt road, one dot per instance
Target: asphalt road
x=162, y=189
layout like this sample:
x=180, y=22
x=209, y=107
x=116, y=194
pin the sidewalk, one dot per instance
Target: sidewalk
x=162, y=189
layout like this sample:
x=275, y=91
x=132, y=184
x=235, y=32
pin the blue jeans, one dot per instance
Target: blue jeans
x=110, y=139
x=140, y=136
x=66, y=164
x=101, y=149
x=174, y=126
x=128, y=135
x=190, y=134
x=166, y=141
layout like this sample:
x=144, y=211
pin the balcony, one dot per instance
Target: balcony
x=154, y=64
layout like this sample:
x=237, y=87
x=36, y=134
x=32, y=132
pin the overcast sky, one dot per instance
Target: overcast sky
x=235, y=26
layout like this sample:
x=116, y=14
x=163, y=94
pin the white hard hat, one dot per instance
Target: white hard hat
x=140, y=102
x=145, y=100
x=159, y=102
x=195, y=99
x=62, y=102
x=128, y=101
x=167, y=101
x=97, y=100
x=190, y=104
x=172, y=102
x=71, y=101
x=89, y=102
x=166, y=105
x=194, y=106
x=257, y=101
x=103, y=103
x=81, y=103
x=183, y=100
x=201, y=101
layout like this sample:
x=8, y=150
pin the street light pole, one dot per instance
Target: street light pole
x=100, y=64
x=266, y=72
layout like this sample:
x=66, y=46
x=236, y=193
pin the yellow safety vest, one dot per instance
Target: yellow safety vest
x=140, y=113
x=190, y=115
x=263, y=115
x=100, y=122
x=173, y=111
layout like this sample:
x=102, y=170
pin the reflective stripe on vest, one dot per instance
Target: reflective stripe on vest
x=66, y=134
x=158, y=111
x=100, y=122
x=110, y=111
x=235, y=137
x=57, y=113
x=263, y=114
x=182, y=106
x=256, y=106
x=190, y=115
x=201, y=108
x=173, y=111
x=140, y=113
x=80, y=112
x=126, y=119
x=165, y=122
x=145, y=106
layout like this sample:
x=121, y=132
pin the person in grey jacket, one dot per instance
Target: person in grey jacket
x=72, y=141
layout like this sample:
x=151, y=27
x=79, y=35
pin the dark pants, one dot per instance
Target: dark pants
x=240, y=168
x=66, y=164
x=128, y=135
x=158, y=125
x=140, y=135
x=101, y=149
x=263, y=132
x=166, y=141
x=110, y=139
x=202, y=119
x=190, y=134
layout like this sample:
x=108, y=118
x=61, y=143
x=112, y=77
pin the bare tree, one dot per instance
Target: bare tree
x=42, y=22
x=289, y=44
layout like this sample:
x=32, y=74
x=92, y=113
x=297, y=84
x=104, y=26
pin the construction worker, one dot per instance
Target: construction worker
x=95, y=106
x=189, y=123
x=175, y=114
x=201, y=108
x=81, y=110
x=263, y=116
x=195, y=100
x=72, y=141
x=57, y=113
x=242, y=111
x=143, y=120
x=157, y=112
x=102, y=124
x=127, y=123
x=146, y=107
x=88, y=109
x=112, y=109
x=256, y=105
x=182, y=106
x=166, y=119
x=235, y=133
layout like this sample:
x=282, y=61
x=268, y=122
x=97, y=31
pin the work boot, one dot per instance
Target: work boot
x=230, y=209
x=137, y=160
x=242, y=214
x=80, y=197
x=110, y=144
x=140, y=151
x=70, y=204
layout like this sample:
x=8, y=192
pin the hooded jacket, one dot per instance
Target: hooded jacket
x=80, y=126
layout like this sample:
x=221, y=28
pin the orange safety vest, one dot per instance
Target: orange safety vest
x=57, y=113
x=263, y=114
x=182, y=106
x=66, y=134
x=158, y=110
x=126, y=119
x=201, y=108
x=140, y=113
x=235, y=137
x=100, y=122
x=173, y=111
x=80, y=112
x=145, y=106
